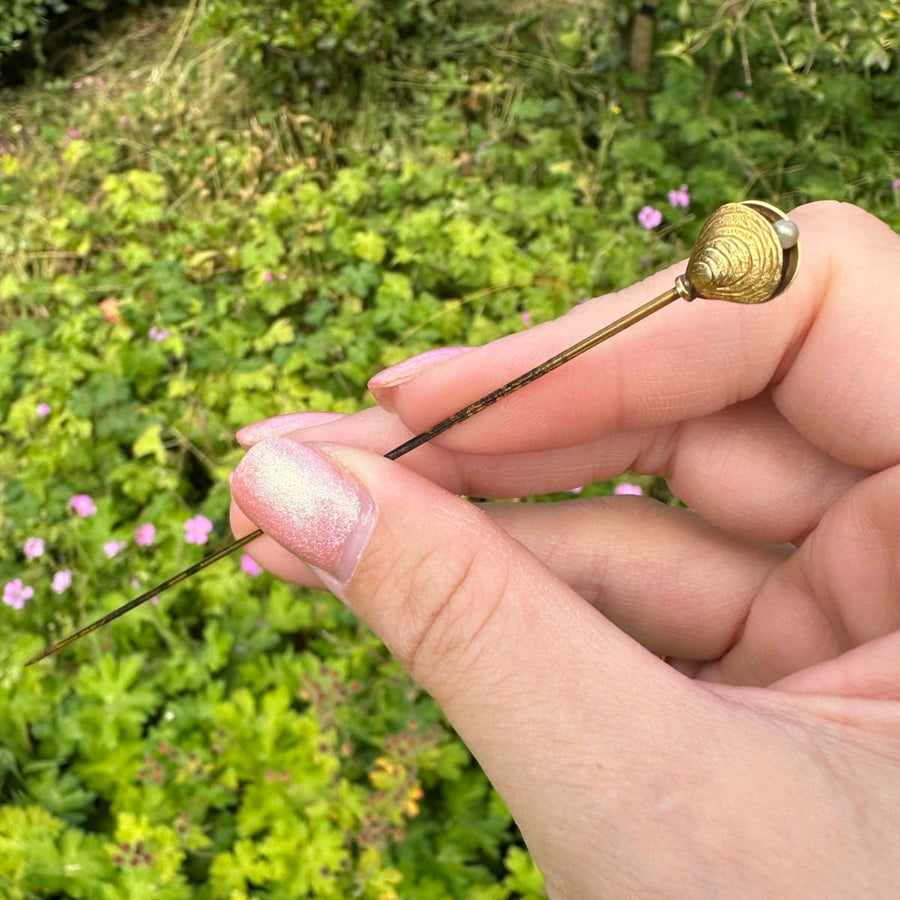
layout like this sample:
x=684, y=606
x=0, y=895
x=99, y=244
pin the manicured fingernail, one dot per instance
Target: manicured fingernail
x=404, y=371
x=279, y=426
x=307, y=502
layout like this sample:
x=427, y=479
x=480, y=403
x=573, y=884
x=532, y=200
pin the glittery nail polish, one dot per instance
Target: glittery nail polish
x=307, y=502
x=278, y=426
x=405, y=370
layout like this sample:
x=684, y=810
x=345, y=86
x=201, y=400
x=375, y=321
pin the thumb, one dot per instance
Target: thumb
x=550, y=697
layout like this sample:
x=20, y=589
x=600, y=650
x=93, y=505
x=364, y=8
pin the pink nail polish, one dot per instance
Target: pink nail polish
x=307, y=502
x=278, y=426
x=404, y=371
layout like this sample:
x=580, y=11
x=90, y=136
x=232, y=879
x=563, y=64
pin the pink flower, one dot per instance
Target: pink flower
x=250, y=566
x=158, y=334
x=895, y=184
x=61, y=580
x=681, y=197
x=43, y=410
x=649, y=217
x=576, y=490
x=34, y=547
x=268, y=276
x=196, y=530
x=737, y=95
x=114, y=548
x=525, y=317
x=626, y=488
x=145, y=534
x=73, y=133
x=83, y=504
x=15, y=593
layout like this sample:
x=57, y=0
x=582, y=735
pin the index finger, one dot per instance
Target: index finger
x=826, y=349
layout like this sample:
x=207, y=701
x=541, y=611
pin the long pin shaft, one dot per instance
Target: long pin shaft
x=588, y=343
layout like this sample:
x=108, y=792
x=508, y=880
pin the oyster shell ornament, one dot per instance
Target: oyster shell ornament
x=745, y=253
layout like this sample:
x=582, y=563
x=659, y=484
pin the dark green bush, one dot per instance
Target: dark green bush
x=318, y=46
x=24, y=24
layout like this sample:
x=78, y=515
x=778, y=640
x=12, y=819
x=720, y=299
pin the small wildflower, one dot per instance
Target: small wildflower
x=576, y=490
x=627, y=488
x=649, y=217
x=42, y=410
x=268, y=276
x=895, y=185
x=34, y=547
x=73, y=133
x=158, y=334
x=83, y=504
x=145, y=534
x=737, y=95
x=196, y=530
x=77, y=85
x=61, y=581
x=526, y=318
x=250, y=566
x=680, y=197
x=15, y=593
x=114, y=548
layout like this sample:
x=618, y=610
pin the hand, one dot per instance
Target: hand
x=765, y=760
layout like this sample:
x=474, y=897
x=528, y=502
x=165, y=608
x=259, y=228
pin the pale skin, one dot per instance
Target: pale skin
x=761, y=760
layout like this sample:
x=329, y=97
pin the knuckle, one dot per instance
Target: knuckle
x=450, y=599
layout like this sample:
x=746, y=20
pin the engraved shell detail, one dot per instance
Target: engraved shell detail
x=738, y=257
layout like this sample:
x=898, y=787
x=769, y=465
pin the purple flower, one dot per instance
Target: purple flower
x=649, y=217
x=15, y=593
x=196, y=530
x=626, y=488
x=681, y=197
x=114, y=548
x=737, y=95
x=61, y=580
x=158, y=334
x=145, y=534
x=83, y=504
x=250, y=566
x=42, y=410
x=34, y=547
x=895, y=184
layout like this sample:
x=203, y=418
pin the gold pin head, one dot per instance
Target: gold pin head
x=746, y=253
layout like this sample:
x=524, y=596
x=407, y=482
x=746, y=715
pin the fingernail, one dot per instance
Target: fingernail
x=278, y=426
x=404, y=371
x=307, y=502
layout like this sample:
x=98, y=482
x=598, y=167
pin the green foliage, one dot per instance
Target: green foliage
x=308, y=47
x=181, y=257
x=28, y=21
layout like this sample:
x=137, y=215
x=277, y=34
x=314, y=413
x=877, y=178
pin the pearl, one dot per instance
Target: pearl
x=788, y=233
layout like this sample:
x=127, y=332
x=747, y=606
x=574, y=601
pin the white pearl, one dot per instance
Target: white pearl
x=788, y=233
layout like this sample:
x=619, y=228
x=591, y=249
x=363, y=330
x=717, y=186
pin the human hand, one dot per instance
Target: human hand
x=774, y=770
